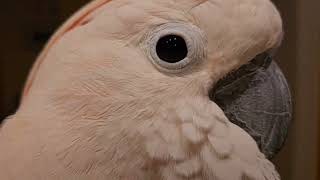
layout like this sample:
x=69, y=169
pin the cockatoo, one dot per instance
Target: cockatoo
x=129, y=90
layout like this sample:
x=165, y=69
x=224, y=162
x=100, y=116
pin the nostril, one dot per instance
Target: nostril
x=262, y=60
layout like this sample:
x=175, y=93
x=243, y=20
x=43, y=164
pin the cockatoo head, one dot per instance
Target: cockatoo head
x=130, y=55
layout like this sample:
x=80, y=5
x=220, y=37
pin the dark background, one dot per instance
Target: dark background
x=26, y=26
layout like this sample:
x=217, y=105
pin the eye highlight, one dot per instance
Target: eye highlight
x=173, y=47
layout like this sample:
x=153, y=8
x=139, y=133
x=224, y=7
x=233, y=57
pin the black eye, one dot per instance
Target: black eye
x=172, y=48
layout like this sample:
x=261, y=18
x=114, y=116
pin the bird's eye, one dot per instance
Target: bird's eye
x=173, y=46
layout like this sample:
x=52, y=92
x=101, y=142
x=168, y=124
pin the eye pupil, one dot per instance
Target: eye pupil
x=172, y=48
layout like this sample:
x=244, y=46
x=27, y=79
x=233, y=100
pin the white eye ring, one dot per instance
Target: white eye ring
x=193, y=36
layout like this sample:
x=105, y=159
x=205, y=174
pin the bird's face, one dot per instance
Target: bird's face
x=161, y=50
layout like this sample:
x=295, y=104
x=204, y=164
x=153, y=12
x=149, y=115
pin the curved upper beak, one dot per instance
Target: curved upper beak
x=257, y=98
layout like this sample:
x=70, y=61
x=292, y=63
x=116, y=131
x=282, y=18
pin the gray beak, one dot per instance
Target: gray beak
x=257, y=98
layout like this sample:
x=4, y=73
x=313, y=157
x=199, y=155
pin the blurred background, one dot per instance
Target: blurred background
x=27, y=25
